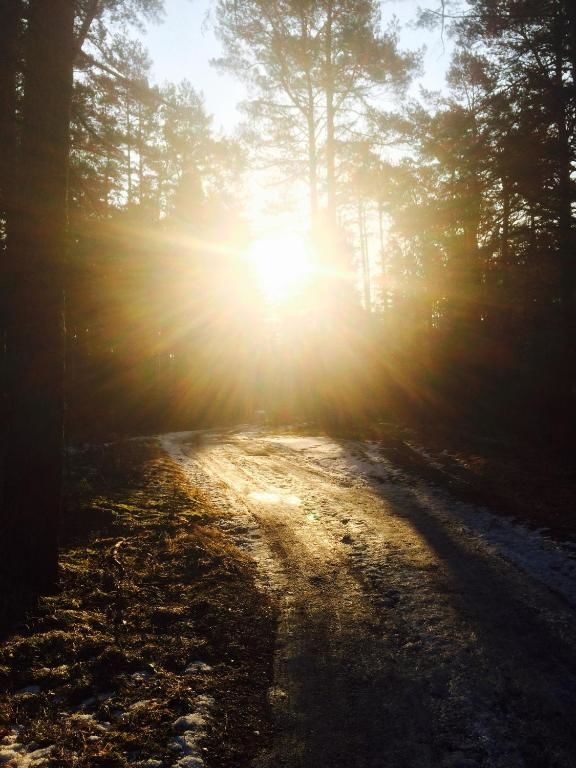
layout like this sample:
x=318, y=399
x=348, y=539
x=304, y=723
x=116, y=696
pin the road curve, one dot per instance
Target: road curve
x=404, y=641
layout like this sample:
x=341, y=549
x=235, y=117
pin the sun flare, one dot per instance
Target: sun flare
x=282, y=264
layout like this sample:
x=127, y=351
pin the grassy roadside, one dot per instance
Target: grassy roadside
x=157, y=650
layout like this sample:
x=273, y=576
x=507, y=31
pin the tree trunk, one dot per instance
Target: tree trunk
x=128, y=150
x=330, y=116
x=382, y=257
x=35, y=328
x=364, y=256
x=311, y=127
x=140, y=157
x=312, y=162
x=10, y=19
x=570, y=13
x=566, y=373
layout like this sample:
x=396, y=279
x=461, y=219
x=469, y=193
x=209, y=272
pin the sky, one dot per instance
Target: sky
x=181, y=48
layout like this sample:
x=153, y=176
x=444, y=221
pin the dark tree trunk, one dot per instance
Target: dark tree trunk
x=330, y=119
x=505, y=228
x=35, y=328
x=311, y=127
x=385, y=292
x=566, y=374
x=364, y=256
x=128, y=149
x=10, y=19
x=140, y=157
x=312, y=160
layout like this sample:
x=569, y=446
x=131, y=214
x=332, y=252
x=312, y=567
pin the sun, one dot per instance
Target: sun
x=283, y=265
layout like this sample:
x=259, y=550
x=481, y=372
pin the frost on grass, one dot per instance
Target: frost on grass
x=190, y=730
x=197, y=666
x=16, y=755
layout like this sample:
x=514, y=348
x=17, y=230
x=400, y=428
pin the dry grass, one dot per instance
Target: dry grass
x=149, y=585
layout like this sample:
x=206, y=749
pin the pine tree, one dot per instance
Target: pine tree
x=35, y=326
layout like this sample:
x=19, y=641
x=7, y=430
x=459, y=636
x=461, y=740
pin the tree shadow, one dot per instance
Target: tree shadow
x=524, y=632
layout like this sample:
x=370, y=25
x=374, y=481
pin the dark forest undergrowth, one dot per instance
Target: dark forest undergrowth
x=157, y=647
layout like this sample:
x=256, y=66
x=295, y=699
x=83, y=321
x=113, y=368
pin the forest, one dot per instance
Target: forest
x=440, y=226
x=287, y=406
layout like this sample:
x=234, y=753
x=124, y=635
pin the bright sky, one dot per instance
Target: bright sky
x=182, y=46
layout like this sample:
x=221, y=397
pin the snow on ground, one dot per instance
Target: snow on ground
x=319, y=446
x=240, y=526
x=365, y=559
x=550, y=562
x=189, y=731
x=16, y=755
x=175, y=443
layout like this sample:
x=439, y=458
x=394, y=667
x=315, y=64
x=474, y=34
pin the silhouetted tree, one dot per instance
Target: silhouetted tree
x=311, y=67
x=35, y=316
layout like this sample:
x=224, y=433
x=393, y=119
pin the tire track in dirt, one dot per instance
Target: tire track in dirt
x=401, y=641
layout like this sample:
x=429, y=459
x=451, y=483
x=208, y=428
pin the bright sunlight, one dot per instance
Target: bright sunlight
x=283, y=265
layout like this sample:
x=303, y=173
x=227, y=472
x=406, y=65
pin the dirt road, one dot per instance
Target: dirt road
x=407, y=637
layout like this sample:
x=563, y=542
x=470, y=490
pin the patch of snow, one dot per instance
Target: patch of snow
x=140, y=677
x=193, y=722
x=189, y=761
x=140, y=705
x=314, y=445
x=17, y=756
x=174, y=442
x=186, y=743
x=87, y=718
x=425, y=455
x=197, y=666
x=190, y=730
x=204, y=704
x=551, y=563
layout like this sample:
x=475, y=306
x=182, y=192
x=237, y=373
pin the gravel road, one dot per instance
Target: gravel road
x=405, y=638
